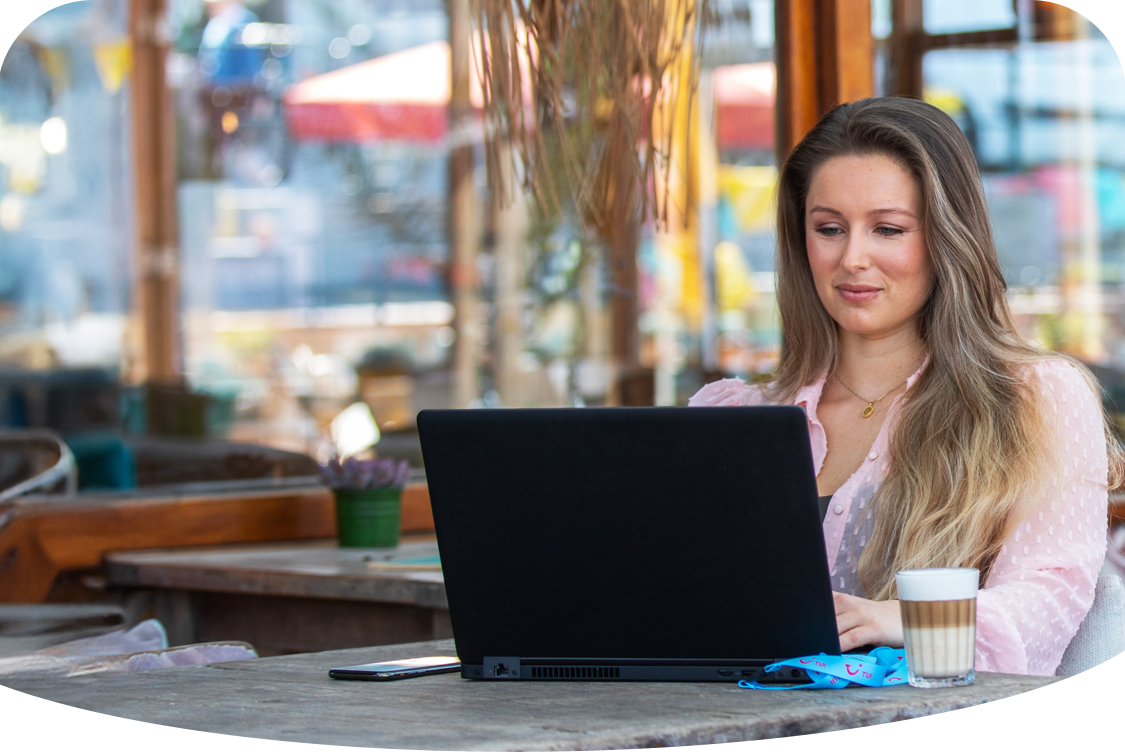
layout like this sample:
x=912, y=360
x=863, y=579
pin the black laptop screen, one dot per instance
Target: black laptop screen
x=652, y=533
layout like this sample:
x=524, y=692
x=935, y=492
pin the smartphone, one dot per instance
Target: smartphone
x=405, y=669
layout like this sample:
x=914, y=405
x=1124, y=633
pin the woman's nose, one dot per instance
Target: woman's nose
x=856, y=252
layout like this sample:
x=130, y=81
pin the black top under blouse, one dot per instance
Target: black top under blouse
x=824, y=501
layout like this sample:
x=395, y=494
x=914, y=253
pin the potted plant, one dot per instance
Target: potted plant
x=368, y=499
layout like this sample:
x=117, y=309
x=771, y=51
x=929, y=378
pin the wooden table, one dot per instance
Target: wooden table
x=288, y=598
x=291, y=698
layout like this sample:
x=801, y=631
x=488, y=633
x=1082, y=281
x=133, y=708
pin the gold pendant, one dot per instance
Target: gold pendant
x=867, y=411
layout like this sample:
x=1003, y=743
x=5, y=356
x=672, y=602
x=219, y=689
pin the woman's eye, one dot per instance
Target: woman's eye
x=889, y=232
x=829, y=232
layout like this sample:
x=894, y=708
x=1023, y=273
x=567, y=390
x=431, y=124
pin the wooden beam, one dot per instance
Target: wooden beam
x=825, y=56
x=995, y=37
x=156, y=303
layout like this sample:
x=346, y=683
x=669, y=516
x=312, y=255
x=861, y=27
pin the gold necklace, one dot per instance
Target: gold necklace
x=870, y=409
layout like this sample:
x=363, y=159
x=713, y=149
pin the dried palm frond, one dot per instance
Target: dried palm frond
x=573, y=93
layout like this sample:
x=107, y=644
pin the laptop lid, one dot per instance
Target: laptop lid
x=637, y=537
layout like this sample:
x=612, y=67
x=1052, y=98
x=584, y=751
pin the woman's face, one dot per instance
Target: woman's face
x=863, y=232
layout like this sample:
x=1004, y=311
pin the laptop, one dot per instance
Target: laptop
x=629, y=544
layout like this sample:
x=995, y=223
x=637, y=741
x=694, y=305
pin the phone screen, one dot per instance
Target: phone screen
x=434, y=664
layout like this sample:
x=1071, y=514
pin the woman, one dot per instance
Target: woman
x=941, y=437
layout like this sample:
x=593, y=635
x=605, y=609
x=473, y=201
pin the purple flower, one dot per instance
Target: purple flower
x=359, y=474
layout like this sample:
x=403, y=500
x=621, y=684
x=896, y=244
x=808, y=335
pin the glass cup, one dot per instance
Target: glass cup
x=939, y=625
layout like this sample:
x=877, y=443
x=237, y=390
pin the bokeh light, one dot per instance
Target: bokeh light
x=53, y=135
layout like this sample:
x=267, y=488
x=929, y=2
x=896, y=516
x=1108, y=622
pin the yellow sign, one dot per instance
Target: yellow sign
x=735, y=288
x=114, y=61
x=752, y=192
x=946, y=100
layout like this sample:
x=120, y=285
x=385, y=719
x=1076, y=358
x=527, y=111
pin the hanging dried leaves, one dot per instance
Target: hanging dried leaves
x=573, y=91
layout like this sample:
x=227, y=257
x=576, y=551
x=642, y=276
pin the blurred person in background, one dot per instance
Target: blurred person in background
x=223, y=57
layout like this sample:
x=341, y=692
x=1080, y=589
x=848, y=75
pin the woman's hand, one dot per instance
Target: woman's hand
x=864, y=622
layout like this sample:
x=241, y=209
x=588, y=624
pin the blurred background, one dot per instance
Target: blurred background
x=229, y=220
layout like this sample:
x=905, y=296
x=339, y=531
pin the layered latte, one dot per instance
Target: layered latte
x=939, y=625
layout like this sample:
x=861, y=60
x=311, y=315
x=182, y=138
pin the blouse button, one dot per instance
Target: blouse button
x=838, y=509
x=873, y=456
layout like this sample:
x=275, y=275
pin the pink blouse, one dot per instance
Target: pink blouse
x=1042, y=583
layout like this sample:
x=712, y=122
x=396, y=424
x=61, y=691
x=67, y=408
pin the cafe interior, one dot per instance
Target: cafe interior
x=243, y=241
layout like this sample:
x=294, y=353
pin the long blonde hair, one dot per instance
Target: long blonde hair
x=971, y=426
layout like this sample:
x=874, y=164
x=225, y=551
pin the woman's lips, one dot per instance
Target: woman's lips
x=857, y=293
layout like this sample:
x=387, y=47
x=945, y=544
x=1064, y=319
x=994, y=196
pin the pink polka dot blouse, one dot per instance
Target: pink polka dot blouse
x=1042, y=583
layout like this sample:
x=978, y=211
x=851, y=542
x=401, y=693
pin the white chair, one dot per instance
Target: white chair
x=48, y=458
x=1101, y=635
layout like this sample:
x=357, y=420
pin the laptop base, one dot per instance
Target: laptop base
x=510, y=668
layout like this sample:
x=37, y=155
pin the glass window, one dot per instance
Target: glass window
x=312, y=198
x=65, y=218
x=1044, y=116
x=314, y=164
x=707, y=291
x=951, y=16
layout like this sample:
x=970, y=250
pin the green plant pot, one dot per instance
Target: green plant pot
x=368, y=518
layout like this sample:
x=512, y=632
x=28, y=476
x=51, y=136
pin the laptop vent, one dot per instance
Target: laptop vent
x=575, y=672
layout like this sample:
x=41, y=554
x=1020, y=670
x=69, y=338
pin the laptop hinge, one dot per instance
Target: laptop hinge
x=501, y=667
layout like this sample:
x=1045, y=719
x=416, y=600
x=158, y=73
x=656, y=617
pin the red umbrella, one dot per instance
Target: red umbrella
x=744, y=98
x=403, y=96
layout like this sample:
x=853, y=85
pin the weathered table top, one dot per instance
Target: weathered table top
x=317, y=569
x=291, y=698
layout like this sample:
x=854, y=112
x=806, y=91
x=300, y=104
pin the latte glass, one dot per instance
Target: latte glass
x=939, y=625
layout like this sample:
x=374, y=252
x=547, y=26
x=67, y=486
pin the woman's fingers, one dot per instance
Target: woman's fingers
x=846, y=604
x=863, y=622
x=854, y=638
x=849, y=620
x=849, y=612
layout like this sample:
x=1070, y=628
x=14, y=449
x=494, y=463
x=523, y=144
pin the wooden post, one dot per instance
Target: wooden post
x=623, y=259
x=621, y=233
x=156, y=304
x=798, y=94
x=462, y=228
x=677, y=300
x=510, y=230
x=907, y=47
x=825, y=56
x=706, y=156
